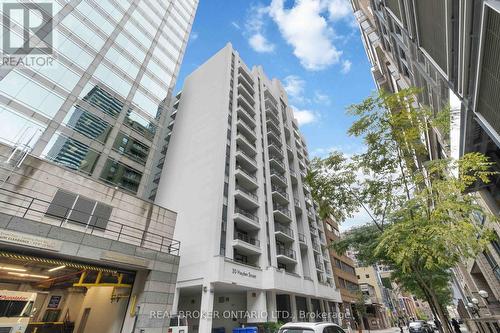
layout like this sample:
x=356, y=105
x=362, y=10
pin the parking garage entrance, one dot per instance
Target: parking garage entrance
x=50, y=295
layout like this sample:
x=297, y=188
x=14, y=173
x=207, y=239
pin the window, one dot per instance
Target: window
x=131, y=147
x=121, y=175
x=329, y=227
x=367, y=276
x=79, y=210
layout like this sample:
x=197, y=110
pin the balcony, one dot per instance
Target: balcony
x=302, y=240
x=246, y=178
x=246, y=116
x=319, y=264
x=316, y=247
x=245, y=160
x=289, y=150
x=278, y=179
x=276, y=163
x=245, y=144
x=312, y=228
x=242, y=102
x=310, y=215
x=246, y=220
x=272, y=137
x=274, y=149
x=293, y=176
x=245, y=74
x=246, y=244
x=286, y=255
x=283, y=233
x=280, y=196
x=246, y=94
x=273, y=126
x=282, y=214
x=297, y=204
x=245, y=82
x=246, y=199
x=246, y=130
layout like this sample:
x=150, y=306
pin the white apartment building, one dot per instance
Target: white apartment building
x=253, y=249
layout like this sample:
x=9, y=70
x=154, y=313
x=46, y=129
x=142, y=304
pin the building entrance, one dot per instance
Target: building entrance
x=50, y=295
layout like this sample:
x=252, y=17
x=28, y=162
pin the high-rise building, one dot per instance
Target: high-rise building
x=101, y=108
x=234, y=170
x=449, y=50
x=79, y=142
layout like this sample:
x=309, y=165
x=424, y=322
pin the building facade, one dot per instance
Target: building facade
x=234, y=171
x=344, y=273
x=78, y=236
x=371, y=287
x=102, y=107
x=449, y=50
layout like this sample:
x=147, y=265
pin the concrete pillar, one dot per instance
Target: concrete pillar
x=293, y=308
x=271, y=306
x=256, y=306
x=207, y=307
x=309, y=309
x=323, y=308
x=175, y=305
x=338, y=315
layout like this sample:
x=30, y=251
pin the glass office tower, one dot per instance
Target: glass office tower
x=100, y=107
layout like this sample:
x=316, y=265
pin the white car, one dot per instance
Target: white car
x=311, y=328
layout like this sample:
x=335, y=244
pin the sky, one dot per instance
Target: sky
x=312, y=46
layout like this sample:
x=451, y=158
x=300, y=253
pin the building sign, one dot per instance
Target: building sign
x=54, y=302
x=29, y=240
x=125, y=259
x=237, y=271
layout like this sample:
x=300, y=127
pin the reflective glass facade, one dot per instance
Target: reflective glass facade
x=98, y=109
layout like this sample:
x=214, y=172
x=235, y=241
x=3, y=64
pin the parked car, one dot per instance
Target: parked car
x=432, y=324
x=311, y=328
x=420, y=326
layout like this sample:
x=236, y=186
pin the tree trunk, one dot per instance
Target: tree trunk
x=441, y=314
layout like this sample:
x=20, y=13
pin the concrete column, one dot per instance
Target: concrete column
x=293, y=308
x=338, y=314
x=323, y=307
x=256, y=306
x=309, y=308
x=175, y=305
x=207, y=307
x=271, y=306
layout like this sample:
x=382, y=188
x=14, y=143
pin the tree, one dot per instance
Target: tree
x=422, y=217
x=332, y=180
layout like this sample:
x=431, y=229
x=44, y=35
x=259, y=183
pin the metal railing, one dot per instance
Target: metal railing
x=302, y=238
x=247, y=192
x=283, y=210
x=245, y=112
x=247, y=239
x=281, y=228
x=244, y=138
x=285, y=252
x=239, y=167
x=246, y=126
x=246, y=214
x=241, y=151
x=32, y=208
x=277, y=160
x=297, y=203
x=276, y=173
x=280, y=191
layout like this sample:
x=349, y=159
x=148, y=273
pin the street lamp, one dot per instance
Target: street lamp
x=484, y=294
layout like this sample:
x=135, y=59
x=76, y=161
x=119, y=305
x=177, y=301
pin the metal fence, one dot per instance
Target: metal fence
x=25, y=206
